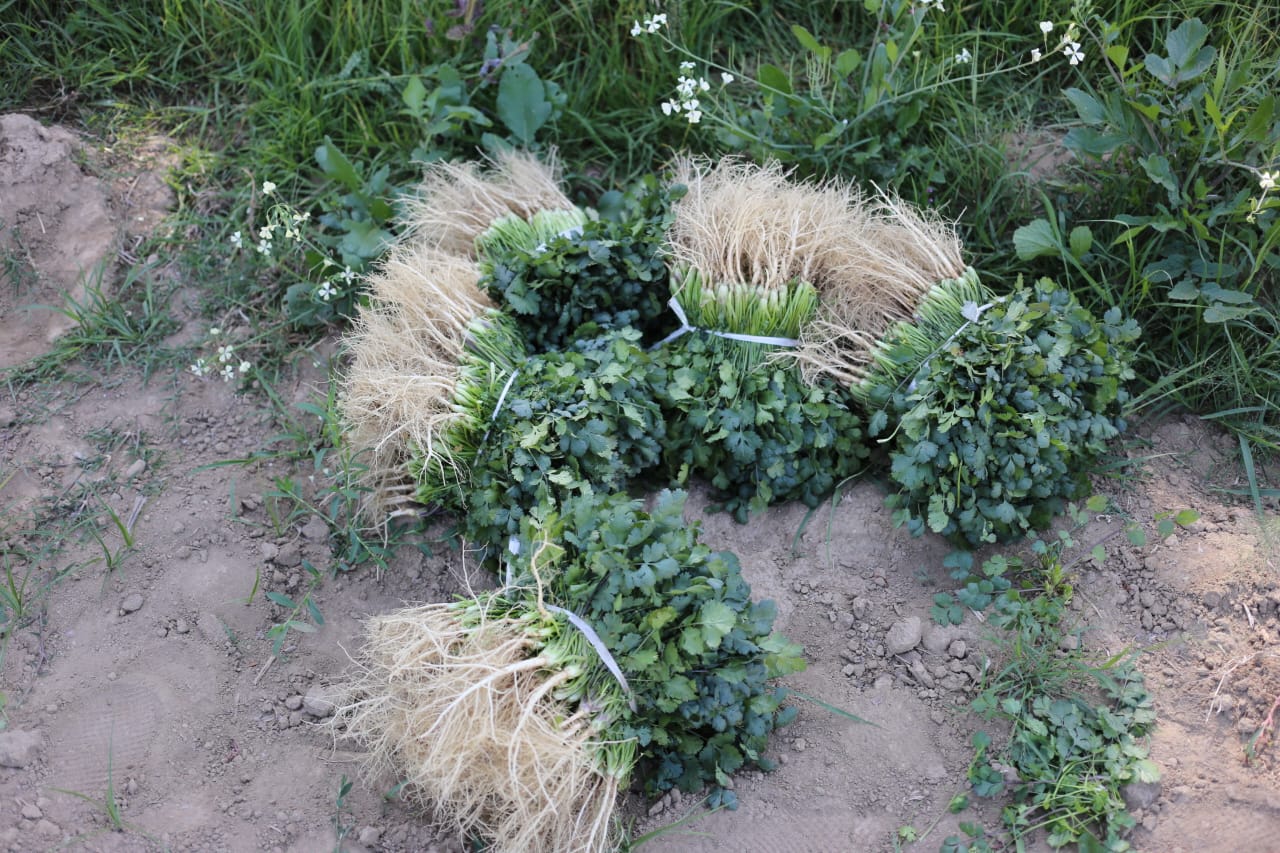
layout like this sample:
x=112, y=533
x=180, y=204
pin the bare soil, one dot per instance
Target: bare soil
x=154, y=682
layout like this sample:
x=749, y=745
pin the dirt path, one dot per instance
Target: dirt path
x=155, y=680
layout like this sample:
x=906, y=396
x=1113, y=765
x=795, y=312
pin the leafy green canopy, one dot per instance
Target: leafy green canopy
x=577, y=282
x=677, y=618
x=571, y=423
x=743, y=419
x=1001, y=420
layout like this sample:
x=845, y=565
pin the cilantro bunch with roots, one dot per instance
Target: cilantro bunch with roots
x=618, y=645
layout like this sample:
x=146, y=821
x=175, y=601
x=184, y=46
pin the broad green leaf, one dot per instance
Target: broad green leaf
x=335, y=164
x=1184, y=290
x=414, y=95
x=1186, y=517
x=810, y=43
x=1081, y=240
x=1227, y=313
x=1087, y=106
x=522, y=102
x=1159, y=170
x=773, y=77
x=847, y=61
x=1035, y=239
x=1097, y=503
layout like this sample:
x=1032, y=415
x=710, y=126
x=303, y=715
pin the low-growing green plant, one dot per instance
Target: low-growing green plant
x=1178, y=153
x=997, y=427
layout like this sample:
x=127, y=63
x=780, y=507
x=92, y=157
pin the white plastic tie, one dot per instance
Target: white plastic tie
x=601, y=649
x=513, y=545
x=972, y=312
x=497, y=407
x=575, y=231
x=686, y=328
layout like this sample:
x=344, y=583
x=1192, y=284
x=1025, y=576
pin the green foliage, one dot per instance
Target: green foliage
x=997, y=429
x=602, y=277
x=572, y=423
x=746, y=422
x=1173, y=145
x=678, y=618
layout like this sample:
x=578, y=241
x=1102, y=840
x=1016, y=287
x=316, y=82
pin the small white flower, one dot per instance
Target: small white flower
x=327, y=291
x=348, y=274
x=264, y=247
x=228, y=373
x=964, y=56
x=686, y=66
x=727, y=78
x=704, y=85
x=691, y=105
x=1073, y=52
x=237, y=240
x=1046, y=27
x=669, y=107
x=301, y=217
x=215, y=331
x=1267, y=180
x=264, y=233
x=200, y=368
x=268, y=188
x=245, y=367
x=224, y=353
x=694, y=116
x=636, y=29
x=1036, y=55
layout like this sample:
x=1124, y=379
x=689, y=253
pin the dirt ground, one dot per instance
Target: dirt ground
x=154, y=683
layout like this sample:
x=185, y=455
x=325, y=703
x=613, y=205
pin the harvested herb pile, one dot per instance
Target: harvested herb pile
x=569, y=423
x=578, y=280
x=741, y=417
x=520, y=723
x=1011, y=401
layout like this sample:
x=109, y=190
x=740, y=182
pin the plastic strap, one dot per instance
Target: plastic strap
x=513, y=545
x=497, y=407
x=575, y=231
x=685, y=328
x=598, y=644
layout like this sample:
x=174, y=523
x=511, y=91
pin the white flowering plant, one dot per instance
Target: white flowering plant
x=859, y=109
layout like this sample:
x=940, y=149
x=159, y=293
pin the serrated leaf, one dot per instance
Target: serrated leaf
x=717, y=619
